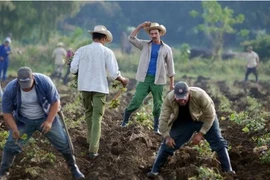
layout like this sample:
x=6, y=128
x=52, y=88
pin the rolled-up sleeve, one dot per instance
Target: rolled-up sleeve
x=136, y=42
x=112, y=65
x=74, y=66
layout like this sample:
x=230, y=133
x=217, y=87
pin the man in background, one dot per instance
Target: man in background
x=59, y=56
x=5, y=51
x=252, y=63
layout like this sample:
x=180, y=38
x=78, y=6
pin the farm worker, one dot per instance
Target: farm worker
x=188, y=115
x=156, y=62
x=91, y=63
x=252, y=63
x=59, y=55
x=5, y=51
x=31, y=102
x=68, y=60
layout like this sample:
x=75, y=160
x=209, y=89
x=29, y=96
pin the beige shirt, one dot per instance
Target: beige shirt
x=59, y=55
x=201, y=108
x=165, y=63
x=252, y=58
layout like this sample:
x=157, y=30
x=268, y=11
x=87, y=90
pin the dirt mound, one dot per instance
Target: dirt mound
x=128, y=153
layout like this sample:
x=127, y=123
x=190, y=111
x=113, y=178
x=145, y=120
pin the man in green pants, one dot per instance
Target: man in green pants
x=156, y=62
x=92, y=62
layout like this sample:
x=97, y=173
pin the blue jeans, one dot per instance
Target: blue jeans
x=57, y=136
x=181, y=135
x=3, y=68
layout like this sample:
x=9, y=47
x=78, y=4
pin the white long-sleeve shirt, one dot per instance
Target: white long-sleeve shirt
x=93, y=62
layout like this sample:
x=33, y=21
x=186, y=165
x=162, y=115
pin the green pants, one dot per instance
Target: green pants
x=94, y=104
x=142, y=90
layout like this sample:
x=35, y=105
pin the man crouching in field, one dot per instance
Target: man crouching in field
x=31, y=102
x=188, y=114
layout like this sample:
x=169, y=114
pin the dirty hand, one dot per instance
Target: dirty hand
x=15, y=134
x=145, y=24
x=169, y=142
x=197, y=138
x=124, y=81
x=46, y=127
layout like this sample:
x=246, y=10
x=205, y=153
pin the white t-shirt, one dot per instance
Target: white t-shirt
x=251, y=59
x=30, y=107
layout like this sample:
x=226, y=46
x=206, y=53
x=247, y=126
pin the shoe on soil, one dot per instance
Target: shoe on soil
x=152, y=174
x=157, y=132
x=93, y=155
x=231, y=172
x=4, y=176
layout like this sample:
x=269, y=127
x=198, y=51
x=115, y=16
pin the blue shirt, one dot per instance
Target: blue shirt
x=153, y=59
x=3, y=52
x=46, y=92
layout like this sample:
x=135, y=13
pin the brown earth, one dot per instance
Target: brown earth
x=128, y=153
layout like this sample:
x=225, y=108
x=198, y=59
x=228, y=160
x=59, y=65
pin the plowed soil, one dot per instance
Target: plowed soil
x=128, y=153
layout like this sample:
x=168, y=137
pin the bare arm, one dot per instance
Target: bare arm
x=47, y=125
x=124, y=81
x=171, y=82
x=11, y=124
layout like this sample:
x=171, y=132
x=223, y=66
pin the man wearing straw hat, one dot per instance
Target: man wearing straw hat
x=156, y=62
x=59, y=55
x=92, y=62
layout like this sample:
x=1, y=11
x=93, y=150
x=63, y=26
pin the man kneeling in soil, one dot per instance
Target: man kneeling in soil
x=31, y=102
x=187, y=110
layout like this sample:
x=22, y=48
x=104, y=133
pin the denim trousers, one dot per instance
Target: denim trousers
x=142, y=90
x=3, y=69
x=94, y=104
x=57, y=135
x=182, y=134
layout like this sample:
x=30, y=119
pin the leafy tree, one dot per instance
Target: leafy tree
x=34, y=20
x=217, y=22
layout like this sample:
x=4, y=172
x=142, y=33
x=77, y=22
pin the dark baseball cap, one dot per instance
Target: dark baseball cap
x=25, y=77
x=181, y=90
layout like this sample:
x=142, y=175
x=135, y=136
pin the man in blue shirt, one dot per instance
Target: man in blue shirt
x=156, y=64
x=4, y=58
x=31, y=102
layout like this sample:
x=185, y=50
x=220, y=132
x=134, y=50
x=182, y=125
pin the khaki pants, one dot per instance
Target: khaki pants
x=94, y=104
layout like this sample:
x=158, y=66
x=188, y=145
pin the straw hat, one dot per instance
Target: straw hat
x=102, y=30
x=155, y=26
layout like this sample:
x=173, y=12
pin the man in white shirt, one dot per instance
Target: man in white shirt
x=252, y=63
x=92, y=62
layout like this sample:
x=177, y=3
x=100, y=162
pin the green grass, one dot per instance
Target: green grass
x=39, y=59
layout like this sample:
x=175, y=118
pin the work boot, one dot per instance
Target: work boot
x=224, y=160
x=125, y=118
x=161, y=158
x=76, y=173
x=156, y=123
x=6, y=163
